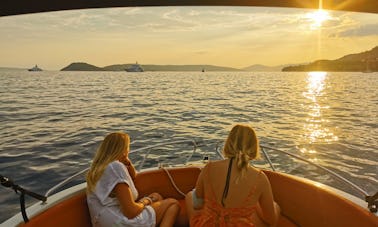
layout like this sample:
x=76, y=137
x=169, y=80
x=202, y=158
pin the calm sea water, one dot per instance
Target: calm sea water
x=52, y=122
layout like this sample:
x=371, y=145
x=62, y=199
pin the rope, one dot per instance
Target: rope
x=173, y=182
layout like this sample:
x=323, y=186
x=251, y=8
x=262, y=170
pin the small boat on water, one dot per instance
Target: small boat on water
x=135, y=68
x=35, y=69
x=303, y=202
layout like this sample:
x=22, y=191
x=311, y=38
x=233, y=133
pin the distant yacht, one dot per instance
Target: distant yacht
x=34, y=69
x=203, y=70
x=135, y=68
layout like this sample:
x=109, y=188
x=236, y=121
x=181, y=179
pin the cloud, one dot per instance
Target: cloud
x=363, y=30
x=132, y=11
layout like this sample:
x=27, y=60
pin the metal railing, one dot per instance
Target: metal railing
x=217, y=143
x=338, y=176
x=140, y=166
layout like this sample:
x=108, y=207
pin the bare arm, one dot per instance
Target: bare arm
x=199, y=189
x=129, y=207
x=269, y=211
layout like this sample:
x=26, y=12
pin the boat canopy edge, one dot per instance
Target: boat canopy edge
x=16, y=7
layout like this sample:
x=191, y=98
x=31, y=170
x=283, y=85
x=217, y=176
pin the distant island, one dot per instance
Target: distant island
x=362, y=62
x=81, y=66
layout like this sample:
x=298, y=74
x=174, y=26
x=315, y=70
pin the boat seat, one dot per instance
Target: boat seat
x=74, y=211
x=185, y=179
x=71, y=212
x=310, y=204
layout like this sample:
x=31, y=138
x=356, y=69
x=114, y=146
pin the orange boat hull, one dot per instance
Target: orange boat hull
x=303, y=202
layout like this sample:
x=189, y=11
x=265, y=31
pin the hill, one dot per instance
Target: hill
x=12, y=69
x=264, y=68
x=196, y=68
x=122, y=67
x=366, y=61
x=81, y=66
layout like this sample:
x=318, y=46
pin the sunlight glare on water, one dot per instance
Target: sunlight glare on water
x=314, y=129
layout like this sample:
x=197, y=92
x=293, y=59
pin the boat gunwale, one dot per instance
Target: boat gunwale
x=200, y=143
x=40, y=207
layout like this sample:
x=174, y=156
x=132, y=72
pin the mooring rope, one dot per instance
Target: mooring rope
x=173, y=183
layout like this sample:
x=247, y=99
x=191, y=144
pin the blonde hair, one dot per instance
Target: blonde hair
x=243, y=145
x=112, y=148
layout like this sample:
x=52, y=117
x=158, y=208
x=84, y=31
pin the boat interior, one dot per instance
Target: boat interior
x=302, y=202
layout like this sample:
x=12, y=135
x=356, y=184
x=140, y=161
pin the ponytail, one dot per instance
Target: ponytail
x=242, y=144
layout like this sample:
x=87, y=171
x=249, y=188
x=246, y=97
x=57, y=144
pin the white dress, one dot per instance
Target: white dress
x=106, y=211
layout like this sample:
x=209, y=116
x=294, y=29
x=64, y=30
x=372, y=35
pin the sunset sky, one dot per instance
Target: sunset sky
x=235, y=37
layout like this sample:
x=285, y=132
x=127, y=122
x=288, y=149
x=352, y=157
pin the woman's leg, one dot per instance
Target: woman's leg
x=166, y=212
x=189, y=204
x=277, y=210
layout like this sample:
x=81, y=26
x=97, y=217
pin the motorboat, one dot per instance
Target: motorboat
x=35, y=69
x=135, y=68
x=303, y=202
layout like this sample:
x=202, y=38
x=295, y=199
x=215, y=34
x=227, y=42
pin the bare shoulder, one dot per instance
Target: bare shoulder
x=205, y=169
x=264, y=179
x=216, y=164
x=258, y=174
x=214, y=168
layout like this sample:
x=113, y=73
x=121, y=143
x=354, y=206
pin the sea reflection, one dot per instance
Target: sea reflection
x=315, y=131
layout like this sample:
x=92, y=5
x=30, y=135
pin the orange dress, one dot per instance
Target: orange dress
x=214, y=214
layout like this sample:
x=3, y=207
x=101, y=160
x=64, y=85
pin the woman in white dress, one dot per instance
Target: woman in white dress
x=111, y=193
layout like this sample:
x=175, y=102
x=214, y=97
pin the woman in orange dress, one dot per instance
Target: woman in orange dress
x=231, y=192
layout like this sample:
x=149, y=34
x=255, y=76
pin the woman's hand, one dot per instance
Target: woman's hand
x=152, y=198
x=155, y=197
x=130, y=167
x=125, y=160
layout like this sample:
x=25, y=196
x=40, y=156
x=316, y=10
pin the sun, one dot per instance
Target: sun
x=318, y=17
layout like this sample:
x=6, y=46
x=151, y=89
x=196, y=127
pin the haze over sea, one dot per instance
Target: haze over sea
x=52, y=122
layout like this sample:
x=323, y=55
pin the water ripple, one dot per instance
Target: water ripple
x=52, y=122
